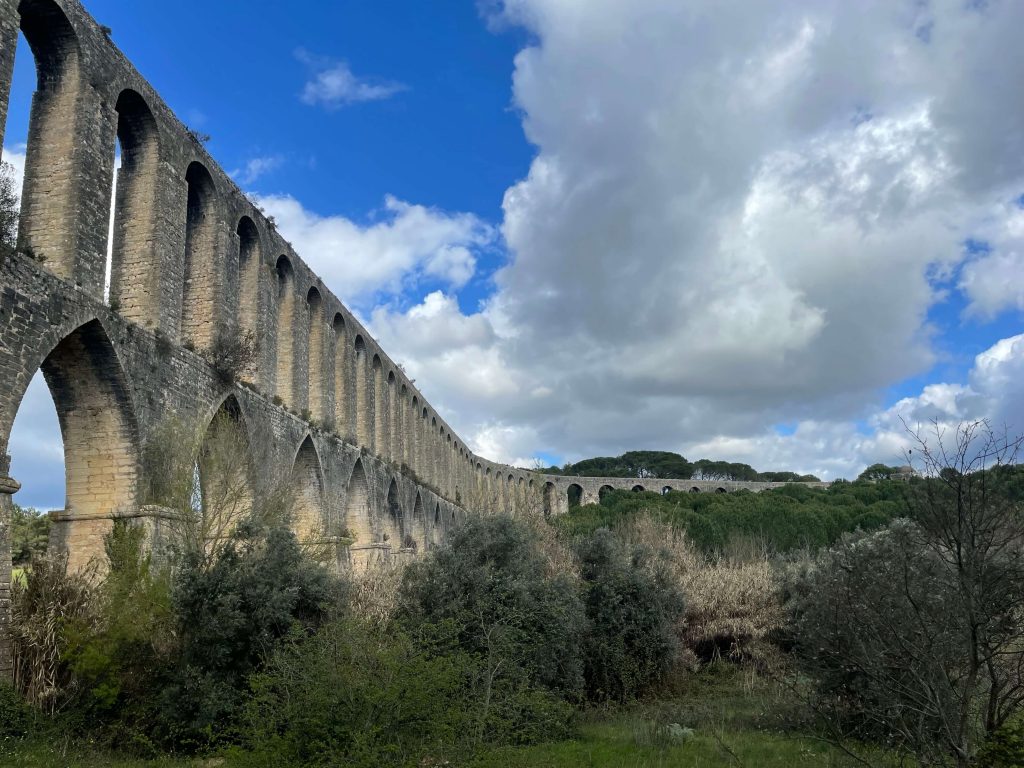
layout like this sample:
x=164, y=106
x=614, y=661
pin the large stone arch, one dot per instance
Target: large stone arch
x=309, y=513
x=134, y=266
x=226, y=471
x=49, y=198
x=100, y=433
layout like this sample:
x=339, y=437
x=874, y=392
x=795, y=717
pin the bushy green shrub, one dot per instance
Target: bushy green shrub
x=355, y=694
x=229, y=615
x=117, y=655
x=16, y=716
x=1004, y=748
x=489, y=584
x=632, y=610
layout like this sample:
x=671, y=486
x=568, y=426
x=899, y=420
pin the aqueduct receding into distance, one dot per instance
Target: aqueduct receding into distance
x=193, y=260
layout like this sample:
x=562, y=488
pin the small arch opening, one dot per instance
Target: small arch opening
x=342, y=423
x=574, y=495
x=249, y=258
x=363, y=406
x=394, y=524
x=132, y=280
x=198, y=304
x=285, y=299
x=316, y=385
x=48, y=223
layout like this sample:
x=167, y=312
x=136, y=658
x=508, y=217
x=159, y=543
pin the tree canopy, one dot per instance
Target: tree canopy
x=665, y=464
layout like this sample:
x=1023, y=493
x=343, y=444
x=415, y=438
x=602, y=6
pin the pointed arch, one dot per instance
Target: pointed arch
x=416, y=531
x=134, y=270
x=200, y=277
x=225, y=469
x=309, y=512
x=394, y=523
x=437, y=528
x=102, y=452
x=358, y=521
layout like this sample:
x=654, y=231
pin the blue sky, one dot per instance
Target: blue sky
x=754, y=233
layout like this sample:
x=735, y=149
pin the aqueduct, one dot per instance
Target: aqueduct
x=375, y=469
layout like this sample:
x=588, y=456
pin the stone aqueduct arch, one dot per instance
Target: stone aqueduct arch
x=376, y=470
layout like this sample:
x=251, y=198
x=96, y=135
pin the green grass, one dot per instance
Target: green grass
x=19, y=575
x=737, y=720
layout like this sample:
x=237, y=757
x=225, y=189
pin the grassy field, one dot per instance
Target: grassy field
x=19, y=575
x=735, y=719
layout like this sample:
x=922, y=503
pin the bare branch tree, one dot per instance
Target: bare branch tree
x=915, y=633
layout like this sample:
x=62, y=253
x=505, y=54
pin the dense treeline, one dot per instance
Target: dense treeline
x=782, y=519
x=670, y=465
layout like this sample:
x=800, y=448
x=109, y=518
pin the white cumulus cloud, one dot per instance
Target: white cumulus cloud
x=741, y=215
x=405, y=244
x=332, y=84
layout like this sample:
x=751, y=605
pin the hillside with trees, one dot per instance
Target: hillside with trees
x=658, y=464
